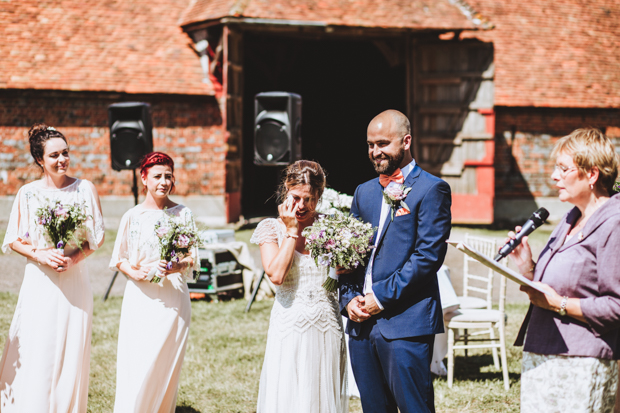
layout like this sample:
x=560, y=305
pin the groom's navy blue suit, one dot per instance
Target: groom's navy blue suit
x=391, y=352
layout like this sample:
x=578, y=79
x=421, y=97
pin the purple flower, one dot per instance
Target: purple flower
x=26, y=235
x=60, y=244
x=168, y=265
x=173, y=254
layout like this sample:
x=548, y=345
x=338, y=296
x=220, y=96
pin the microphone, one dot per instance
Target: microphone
x=536, y=220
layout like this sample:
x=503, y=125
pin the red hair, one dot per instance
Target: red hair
x=156, y=158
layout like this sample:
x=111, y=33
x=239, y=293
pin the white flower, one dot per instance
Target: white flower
x=51, y=128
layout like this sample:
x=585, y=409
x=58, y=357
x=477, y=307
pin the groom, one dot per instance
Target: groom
x=393, y=304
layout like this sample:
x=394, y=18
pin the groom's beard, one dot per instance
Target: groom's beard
x=392, y=164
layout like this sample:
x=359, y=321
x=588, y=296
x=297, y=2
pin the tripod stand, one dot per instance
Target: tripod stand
x=134, y=190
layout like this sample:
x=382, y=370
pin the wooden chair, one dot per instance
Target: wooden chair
x=477, y=288
x=484, y=322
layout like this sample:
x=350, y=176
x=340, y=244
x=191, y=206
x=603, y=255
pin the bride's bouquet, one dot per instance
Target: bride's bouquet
x=175, y=240
x=338, y=240
x=61, y=221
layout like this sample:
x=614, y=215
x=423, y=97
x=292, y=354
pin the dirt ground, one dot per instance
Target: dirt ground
x=101, y=275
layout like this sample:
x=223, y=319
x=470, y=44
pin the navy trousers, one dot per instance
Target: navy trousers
x=393, y=374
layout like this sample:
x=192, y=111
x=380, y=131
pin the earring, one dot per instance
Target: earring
x=591, y=187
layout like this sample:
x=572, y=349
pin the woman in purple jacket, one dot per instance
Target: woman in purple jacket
x=573, y=331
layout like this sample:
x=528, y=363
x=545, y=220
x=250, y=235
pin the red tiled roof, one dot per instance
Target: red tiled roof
x=128, y=46
x=410, y=14
x=563, y=53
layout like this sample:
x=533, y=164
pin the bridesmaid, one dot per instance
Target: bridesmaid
x=155, y=317
x=46, y=359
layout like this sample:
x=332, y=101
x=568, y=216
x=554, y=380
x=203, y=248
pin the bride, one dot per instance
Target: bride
x=305, y=365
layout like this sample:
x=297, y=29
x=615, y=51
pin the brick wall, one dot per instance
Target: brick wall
x=189, y=128
x=525, y=138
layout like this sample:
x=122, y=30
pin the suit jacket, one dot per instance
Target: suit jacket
x=409, y=253
x=585, y=267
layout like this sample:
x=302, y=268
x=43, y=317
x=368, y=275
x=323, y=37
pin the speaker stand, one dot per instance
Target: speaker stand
x=134, y=190
x=247, y=308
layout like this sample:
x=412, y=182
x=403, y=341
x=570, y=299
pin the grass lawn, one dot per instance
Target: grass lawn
x=225, y=354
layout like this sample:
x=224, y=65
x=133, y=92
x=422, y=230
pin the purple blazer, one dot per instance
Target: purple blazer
x=586, y=267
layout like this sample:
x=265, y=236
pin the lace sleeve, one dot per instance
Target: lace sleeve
x=268, y=231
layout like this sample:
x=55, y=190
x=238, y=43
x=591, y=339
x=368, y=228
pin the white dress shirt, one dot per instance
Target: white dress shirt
x=385, y=209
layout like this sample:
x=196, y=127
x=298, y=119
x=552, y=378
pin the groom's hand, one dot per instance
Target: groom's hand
x=371, y=304
x=342, y=270
x=356, y=311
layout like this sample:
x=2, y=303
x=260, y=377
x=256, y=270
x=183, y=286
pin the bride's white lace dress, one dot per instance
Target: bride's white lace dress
x=305, y=367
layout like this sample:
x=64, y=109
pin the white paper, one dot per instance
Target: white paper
x=494, y=265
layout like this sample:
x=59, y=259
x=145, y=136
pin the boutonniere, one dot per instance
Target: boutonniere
x=394, y=195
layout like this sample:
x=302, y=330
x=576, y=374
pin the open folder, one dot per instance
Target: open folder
x=494, y=265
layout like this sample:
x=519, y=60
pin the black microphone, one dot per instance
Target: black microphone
x=536, y=220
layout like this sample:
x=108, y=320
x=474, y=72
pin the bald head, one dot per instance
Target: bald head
x=390, y=123
x=389, y=141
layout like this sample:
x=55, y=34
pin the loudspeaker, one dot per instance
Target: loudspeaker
x=131, y=133
x=277, y=128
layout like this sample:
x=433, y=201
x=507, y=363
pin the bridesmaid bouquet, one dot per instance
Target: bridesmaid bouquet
x=61, y=221
x=175, y=243
x=338, y=240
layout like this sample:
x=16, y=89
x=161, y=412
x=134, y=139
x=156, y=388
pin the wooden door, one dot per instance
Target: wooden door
x=233, y=118
x=451, y=106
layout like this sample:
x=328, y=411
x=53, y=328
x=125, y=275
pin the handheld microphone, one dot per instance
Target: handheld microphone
x=536, y=220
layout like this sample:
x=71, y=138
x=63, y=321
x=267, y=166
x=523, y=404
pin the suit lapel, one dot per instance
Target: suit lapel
x=409, y=183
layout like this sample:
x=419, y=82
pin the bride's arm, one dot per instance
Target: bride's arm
x=277, y=261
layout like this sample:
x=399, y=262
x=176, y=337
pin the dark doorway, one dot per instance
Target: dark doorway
x=343, y=84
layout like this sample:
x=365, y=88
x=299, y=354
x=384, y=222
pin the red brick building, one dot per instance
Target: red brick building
x=489, y=85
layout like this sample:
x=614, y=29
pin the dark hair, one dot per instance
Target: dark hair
x=156, y=158
x=38, y=135
x=303, y=173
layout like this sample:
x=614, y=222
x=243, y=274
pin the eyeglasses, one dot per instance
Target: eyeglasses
x=564, y=170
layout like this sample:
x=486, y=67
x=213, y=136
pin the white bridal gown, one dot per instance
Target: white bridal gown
x=46, y=358
x=305, y=367
x=154, y=318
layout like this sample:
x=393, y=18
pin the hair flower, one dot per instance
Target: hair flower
x=51, y=128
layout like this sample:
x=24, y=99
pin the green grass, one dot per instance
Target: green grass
x=225, y=354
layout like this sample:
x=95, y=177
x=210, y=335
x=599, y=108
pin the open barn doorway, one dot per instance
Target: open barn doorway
x=343, y=83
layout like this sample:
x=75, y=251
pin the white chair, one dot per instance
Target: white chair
x=485, y=321
x=477, y=288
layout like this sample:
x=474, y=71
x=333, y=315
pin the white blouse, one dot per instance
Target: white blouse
x=23, y=221
x=137, y=242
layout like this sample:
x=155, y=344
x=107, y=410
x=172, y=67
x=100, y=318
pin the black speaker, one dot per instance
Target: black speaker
x=131, y=133
x=277, y=128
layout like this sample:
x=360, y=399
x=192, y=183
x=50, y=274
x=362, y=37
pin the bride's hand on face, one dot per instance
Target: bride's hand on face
x=287, y=211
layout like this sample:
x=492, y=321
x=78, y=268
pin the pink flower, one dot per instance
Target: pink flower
x=162, y=231
x=61, y=213
x=395, y=192
x=183, y=241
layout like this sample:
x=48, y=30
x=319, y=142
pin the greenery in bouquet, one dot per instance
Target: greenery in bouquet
x=61, y=221
x=338, y=240
x=617, y=186
x=176, y=239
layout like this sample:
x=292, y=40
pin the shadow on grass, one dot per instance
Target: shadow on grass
x=186, y=409
x=479, y=367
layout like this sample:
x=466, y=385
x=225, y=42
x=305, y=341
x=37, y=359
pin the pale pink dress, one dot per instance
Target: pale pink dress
x=155, y=318
x=46, y=359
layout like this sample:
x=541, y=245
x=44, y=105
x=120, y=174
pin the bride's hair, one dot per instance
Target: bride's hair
x=38, y=135
x=303, y=173
x=156, y=158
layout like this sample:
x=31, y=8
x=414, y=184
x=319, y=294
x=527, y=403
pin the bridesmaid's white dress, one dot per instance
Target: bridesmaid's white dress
x=155, y=318
x=46, y=359
x=305, y=367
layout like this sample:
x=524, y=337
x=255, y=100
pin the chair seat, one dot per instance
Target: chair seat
x=472, y=302
x=473, y=316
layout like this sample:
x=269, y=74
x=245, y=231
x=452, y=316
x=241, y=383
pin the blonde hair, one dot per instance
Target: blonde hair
x=590, y=148
x=303, y=173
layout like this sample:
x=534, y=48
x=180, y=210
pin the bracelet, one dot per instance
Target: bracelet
x=291, y=236
x=562, y=309
x=532, y=268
